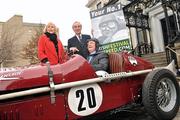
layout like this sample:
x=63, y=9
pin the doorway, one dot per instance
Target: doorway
x=172, y=29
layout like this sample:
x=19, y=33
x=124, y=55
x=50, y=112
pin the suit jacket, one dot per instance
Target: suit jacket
x=47, y=50
x=100, y=61
x=81, y=46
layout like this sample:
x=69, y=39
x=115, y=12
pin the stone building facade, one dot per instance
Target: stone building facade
x=156, y=34
x=19, y=33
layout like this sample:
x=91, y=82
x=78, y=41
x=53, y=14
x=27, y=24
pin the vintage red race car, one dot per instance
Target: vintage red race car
x=73, y=90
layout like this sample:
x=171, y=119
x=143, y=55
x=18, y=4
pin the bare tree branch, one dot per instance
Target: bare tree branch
x=8, y=39
x=30, y=50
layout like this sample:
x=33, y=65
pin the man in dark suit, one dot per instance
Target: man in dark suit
x=78, y=43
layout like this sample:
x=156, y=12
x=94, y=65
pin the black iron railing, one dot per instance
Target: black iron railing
x=142, y=49
x=171, y=51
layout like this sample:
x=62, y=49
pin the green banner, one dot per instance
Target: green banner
x=116, y=46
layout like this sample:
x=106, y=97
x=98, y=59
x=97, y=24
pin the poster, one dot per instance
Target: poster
x=109, y=27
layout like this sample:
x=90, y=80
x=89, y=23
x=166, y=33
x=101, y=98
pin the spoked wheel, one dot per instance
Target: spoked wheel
x=166, y=94
x=161, y=94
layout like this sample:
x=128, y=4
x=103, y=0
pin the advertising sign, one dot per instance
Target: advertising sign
x=109, y=27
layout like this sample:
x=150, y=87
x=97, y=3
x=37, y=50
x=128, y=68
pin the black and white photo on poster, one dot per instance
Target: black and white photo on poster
x=109, y=27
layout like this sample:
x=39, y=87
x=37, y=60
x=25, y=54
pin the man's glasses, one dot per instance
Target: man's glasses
x=77, y=26
x=108, y=24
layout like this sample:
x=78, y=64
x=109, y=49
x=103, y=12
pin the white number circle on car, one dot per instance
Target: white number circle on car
x=85, y=100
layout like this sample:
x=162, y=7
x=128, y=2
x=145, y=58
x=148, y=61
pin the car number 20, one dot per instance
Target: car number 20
x=85, y=100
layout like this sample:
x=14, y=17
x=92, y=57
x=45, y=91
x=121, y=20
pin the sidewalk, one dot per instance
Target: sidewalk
x=177, y=116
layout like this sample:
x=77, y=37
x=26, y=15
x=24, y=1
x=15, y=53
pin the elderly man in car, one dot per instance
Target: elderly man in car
x=98, y=59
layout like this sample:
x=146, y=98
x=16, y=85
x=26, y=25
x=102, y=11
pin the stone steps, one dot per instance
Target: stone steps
x=158, y=59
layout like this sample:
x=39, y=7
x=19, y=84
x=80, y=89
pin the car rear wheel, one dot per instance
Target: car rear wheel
x=160, y=94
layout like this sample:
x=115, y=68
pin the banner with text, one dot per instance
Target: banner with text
x=109, y=27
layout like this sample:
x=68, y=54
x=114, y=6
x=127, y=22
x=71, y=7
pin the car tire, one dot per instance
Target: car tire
x=160, y=94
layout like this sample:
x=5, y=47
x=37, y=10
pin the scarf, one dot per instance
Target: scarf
x=53, y=38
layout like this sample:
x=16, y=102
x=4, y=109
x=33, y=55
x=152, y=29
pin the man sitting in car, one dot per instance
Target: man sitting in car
x=98, y=59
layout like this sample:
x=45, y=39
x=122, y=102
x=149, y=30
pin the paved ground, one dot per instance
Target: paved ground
x=177, y=116
x=137, y=115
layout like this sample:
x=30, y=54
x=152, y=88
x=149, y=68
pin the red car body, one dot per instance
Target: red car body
x=113, y=94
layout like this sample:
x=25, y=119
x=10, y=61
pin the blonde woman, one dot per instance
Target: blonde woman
x=50, y=48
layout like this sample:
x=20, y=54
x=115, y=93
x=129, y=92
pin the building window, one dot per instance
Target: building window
x=99, y=5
